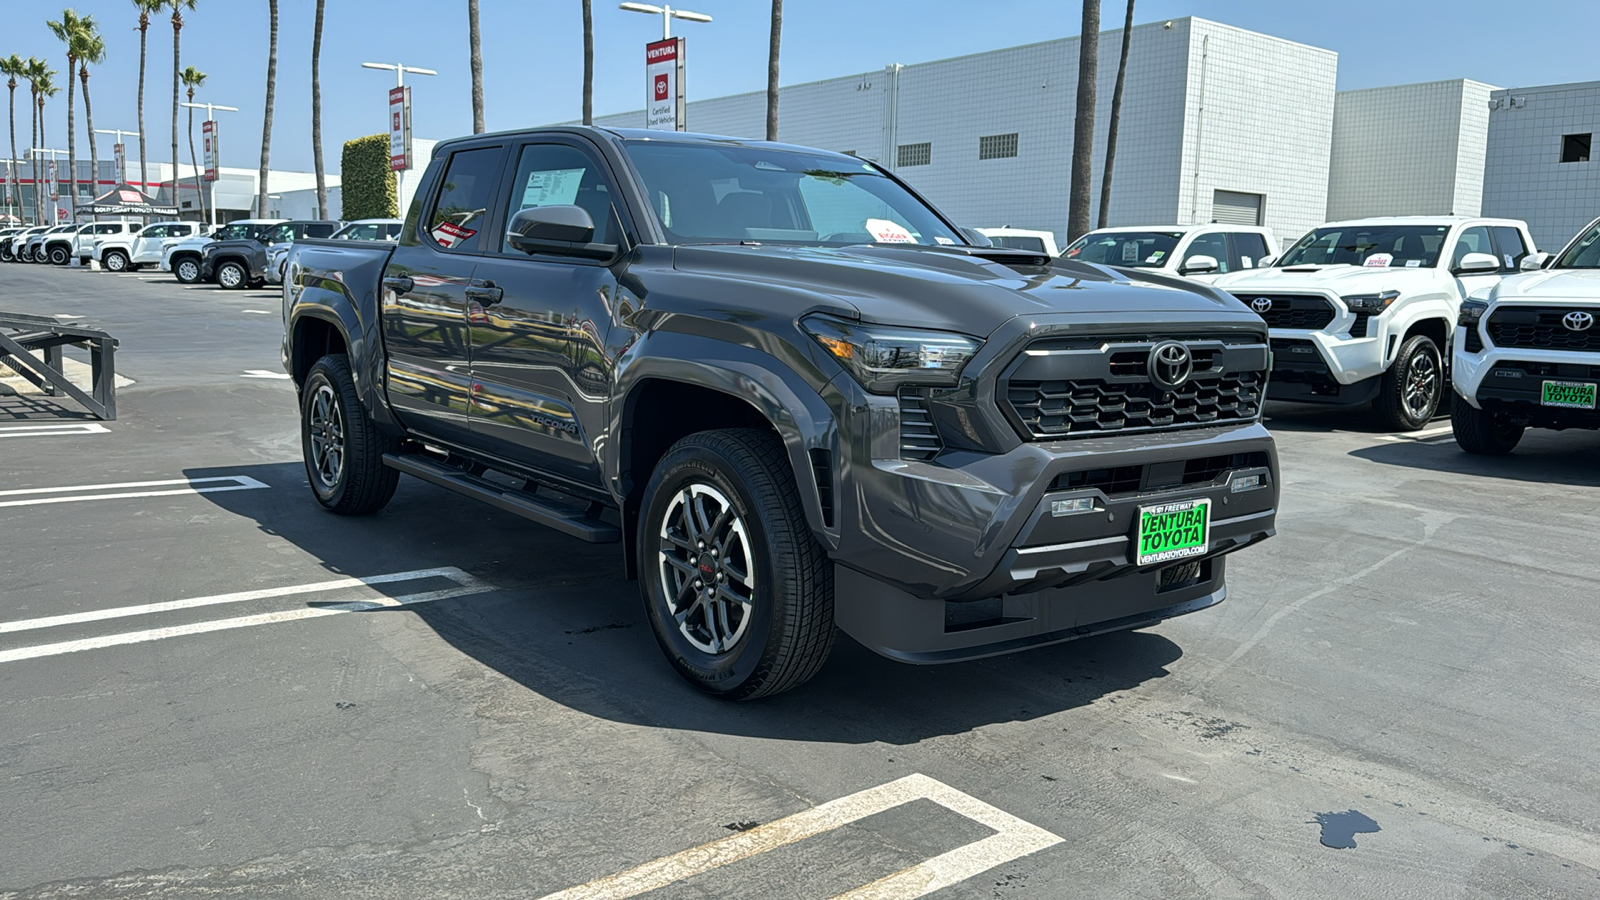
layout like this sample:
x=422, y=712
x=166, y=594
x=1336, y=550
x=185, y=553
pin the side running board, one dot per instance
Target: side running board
x=567, y=520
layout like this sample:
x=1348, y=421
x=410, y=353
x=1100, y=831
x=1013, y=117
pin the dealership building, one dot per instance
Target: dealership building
x=1218, y=124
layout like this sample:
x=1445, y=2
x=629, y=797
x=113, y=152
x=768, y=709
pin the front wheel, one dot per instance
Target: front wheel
x=343, y=447
x=186, y=270
x=59, y=256
x=1413, y=386
x=1483, y=433
x=115, y=260
x=736, y=588
x=232, y=276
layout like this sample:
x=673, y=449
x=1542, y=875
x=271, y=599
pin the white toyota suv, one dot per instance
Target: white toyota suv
x=1364, y=310
x=130, y=252
x=1528, y=351
x=1201, y=252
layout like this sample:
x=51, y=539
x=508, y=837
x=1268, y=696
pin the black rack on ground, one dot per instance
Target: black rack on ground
x=20, y=335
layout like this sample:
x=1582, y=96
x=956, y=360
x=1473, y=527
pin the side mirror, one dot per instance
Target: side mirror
x=975, y=237
x=562, y=230
x=1198, y=264
x=1265, y=261
x=1477, y=264
x=1533, y=262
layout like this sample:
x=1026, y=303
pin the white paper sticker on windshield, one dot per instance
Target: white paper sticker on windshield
x=942, y=240
x=1379, y=261
x=1413, y=263
x=1155, y=257
x=1130, y=252
x=886, y=232
x=1509, y=263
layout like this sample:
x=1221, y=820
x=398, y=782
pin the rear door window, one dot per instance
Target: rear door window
x=1509, y=246
x=466, y=193
x=1249, y=249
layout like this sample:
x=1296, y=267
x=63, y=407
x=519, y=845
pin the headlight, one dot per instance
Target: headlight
x=1371, y=303
x=883, y=357
x=1471, y=312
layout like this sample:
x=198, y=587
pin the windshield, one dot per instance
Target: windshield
x=1134, y=249
x=717, y=193
x=1584, y=252
x=1383, y=246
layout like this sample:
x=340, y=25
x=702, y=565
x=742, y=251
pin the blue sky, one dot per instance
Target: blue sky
x=533, y=53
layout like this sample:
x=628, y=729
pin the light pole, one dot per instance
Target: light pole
x=55, y=204
x=120, y=153
x=399, y=70
x=667, y=14
x=399, y=112
x=216, y=153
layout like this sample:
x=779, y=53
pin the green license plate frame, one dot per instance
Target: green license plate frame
x=1568, y=394
x=1170, y=531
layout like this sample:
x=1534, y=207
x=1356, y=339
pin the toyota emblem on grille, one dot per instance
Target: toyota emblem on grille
x=1170, y=365
x=1261, y=304
x=1578, y=320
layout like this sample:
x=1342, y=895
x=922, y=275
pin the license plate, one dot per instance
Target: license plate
x=1568, y=394
x=1173, y=531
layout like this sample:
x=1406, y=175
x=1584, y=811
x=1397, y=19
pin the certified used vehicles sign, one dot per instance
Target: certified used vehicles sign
x=1173, y=531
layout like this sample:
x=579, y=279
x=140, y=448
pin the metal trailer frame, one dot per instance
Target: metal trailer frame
x=20, y=334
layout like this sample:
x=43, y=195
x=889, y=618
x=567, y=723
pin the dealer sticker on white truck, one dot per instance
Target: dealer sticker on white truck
x=1173, y=531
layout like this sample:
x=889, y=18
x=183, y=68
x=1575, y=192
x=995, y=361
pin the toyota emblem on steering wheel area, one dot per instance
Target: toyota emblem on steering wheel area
x=1170, y=365
x=1577, y=320
x=1261, y=304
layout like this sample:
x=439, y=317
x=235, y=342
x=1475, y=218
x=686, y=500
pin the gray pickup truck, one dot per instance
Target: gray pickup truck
x=798, y=395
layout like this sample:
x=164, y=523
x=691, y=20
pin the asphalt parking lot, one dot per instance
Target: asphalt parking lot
x=209, y=686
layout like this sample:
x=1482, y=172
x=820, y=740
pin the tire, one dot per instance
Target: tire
x=231, y=275
x=59, y=256
x=1483, y=433
x=1412, y=388
x=115, y=261
x=771, y=574
x=186, y=270
x=342, y=446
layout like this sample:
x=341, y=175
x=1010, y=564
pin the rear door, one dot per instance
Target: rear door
x=424, y=300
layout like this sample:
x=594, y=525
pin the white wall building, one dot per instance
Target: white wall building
x=1542, y=161
x=1218, y=123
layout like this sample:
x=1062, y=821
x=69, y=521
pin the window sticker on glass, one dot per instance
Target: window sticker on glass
x=555, y=187
x=1379, y=261
x=1509, y=263
x=1156, y=256
x=886, y=232
x=942, y=240
x=1413, y=263
x=1130, y=252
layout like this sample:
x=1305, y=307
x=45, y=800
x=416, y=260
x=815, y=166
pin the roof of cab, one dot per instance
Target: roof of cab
x=1424, y=220
x=639, y=134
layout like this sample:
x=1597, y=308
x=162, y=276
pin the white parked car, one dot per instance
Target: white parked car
x=181, y=256
x=61, y=249
x=34, y=252
x=1022, y=239
x=131, y=252
x=1201, y=252
x=359, y=230
x=1527, y=351
x=1365, y=310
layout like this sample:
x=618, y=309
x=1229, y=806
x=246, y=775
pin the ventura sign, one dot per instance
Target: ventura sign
x=663, y=75
x=399, y=129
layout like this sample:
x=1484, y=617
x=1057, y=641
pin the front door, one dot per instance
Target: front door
x=540, y=369
x=424, y=297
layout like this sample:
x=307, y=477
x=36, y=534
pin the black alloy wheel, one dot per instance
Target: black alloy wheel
x=1413, y=387
x=343, y=447
x=59, y=255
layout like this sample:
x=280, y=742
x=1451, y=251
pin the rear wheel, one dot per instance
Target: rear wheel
x=231, y=275
x=1413, y=386
x=115, y=260
x=343, y=447
x=737, y=590
x=1483, y=433
x=186, y=270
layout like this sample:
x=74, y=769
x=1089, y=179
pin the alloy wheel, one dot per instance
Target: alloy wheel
x=115, y=262
x=229, y=276
x=707, y=568
x=188, y=271
x=325, y=425
x=1421, y=395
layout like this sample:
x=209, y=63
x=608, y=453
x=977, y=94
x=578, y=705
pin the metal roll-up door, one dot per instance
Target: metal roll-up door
x=1234, y=208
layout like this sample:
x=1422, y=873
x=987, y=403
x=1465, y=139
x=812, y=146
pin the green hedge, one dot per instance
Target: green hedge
x=367, y=188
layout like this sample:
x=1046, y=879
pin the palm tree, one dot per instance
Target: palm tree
x=475, y=62
x=266, y=120
x=193, y=78
x=1083, y=122
x=1116, y=120
x=66, y=31
x=776, y=39
x=91, y=49
x=588, y=62
x=145, y=7
x=177, y=7
x=13, y=68
x=316, y=113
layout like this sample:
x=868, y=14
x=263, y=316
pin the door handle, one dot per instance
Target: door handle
x=400, y=284
x=487, y=293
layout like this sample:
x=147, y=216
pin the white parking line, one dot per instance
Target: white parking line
x=1014, y=838
x=259, y=312
x=191, y=486
x=263, y=373
x=53, y=430
x=1426, y=435
x=465, y=584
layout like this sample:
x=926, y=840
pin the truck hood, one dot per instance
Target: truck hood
x=1337, y=279
x=1552, y=284
x=950, y=289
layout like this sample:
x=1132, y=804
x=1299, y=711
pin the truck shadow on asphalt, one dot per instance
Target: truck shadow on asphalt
x=1543, y=457
x=564, y=623
x=1312, y=417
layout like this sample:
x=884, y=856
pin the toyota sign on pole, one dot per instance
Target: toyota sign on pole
x=55, y=183
x=399, y=129
x=208, y=133
x=663, y=71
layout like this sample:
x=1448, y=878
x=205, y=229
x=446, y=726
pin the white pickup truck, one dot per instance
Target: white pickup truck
x=1365, y=310
x=1528, y=351
x=129, y=252
x=1201, y=252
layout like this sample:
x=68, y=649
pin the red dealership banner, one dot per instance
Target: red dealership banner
x=663, y=70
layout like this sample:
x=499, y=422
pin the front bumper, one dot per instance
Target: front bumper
x=1319, y=367
x=1511, y=380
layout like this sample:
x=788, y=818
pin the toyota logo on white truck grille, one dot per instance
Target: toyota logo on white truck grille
x=1261, y=304
x=1578, y=320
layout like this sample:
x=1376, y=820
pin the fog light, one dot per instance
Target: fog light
x=1246, y=483
x=1071, y=507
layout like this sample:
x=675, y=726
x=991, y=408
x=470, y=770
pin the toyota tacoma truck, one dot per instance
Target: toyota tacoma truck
x=1528, y=351
x=1363, y=311
x=128, y=252
x=181, y=255
x=793, y=392
x=1201, y=252
x=239, y=263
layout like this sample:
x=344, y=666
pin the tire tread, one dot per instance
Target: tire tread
x=368, y=484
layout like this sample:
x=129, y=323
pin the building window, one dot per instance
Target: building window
x=997, y=146
x=914, y=155
x=1575, y=147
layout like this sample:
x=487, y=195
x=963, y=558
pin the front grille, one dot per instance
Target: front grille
x=919, y=436
x=1124, y=480
x=1547, y=370
x=1540, y=328
x=1292, y=310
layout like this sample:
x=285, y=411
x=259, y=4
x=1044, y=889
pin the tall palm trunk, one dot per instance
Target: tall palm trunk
x=476, y=63
x=1116, y=120
x=588, y=62
x=1083, y=122
x=13, y=188
x=88, y=124
x=144, y=34
x=775, y=40
x=266, y=121
x=72, y=145
x=33, y=158
x=194, y=162
x=177, y=67
x=316, y=113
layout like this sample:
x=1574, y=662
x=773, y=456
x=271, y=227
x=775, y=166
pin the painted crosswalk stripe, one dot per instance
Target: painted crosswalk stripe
x=53, y=430
x=464, y=584
x=125, y=490
x=263, y=373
